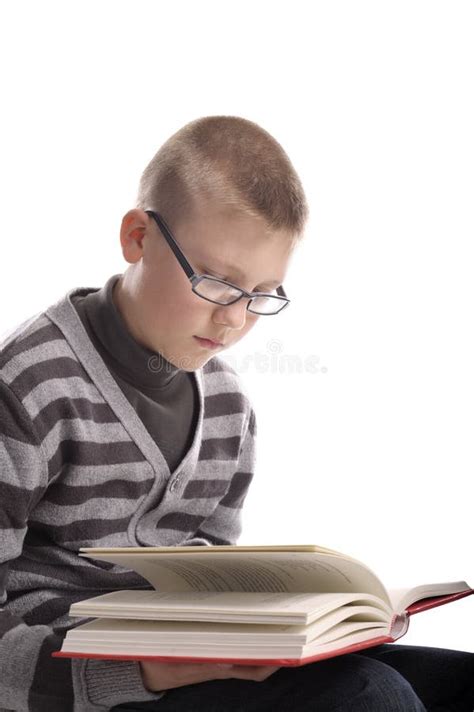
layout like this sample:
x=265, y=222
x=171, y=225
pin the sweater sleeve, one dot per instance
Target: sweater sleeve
x=31, y=680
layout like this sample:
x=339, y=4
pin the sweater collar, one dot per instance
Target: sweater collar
x=133, y=362
x=66, y=318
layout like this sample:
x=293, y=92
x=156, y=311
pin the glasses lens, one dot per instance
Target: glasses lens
x=217, y=291
x=267, y=305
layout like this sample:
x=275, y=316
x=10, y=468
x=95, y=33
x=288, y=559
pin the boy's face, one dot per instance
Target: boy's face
x=154, y=295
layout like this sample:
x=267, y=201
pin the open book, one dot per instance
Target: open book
x=259, y=605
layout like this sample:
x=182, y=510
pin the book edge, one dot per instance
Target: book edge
x=424, y=604
x=284, y=662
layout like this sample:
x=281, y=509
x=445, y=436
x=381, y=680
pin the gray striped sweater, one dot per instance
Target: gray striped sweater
x=78, y=468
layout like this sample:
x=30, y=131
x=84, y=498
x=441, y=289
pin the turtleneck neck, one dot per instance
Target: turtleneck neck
x=136, y=364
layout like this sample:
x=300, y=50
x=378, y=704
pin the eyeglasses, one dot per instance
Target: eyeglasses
x=217, y=290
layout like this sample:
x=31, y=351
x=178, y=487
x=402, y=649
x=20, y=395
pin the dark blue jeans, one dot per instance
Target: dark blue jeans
x=388, y=678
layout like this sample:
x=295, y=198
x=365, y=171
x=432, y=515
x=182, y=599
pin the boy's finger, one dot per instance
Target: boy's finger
x=251, y=672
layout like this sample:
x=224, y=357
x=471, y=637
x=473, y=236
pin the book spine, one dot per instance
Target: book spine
x=399, y=625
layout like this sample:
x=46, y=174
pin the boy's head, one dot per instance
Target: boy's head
x=236, y=208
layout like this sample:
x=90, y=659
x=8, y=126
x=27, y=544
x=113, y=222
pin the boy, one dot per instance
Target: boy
x=120, y=426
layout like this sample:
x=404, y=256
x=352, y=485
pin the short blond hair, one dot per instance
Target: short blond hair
x=229, y=161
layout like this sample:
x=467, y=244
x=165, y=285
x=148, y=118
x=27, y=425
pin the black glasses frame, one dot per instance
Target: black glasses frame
x=195, y=279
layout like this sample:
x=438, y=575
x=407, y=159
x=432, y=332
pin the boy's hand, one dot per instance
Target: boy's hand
x=158, y=677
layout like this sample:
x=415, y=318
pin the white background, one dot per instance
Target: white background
x=364, y=386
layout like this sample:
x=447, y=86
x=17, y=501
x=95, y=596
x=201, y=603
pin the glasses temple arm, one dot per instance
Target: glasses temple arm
x=172, y=243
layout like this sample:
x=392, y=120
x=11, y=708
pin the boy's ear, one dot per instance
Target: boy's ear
x=132, y=233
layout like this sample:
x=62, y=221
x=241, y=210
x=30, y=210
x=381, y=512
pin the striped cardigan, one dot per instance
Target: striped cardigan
x=79, y=468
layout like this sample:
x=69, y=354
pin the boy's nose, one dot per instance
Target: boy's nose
x=233, y=315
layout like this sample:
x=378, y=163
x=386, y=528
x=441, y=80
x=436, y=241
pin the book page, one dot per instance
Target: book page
x=203, y=549
x=290, y=608
x=187, y=632
x=269, y=571
x=132, y=638
x=401, y=598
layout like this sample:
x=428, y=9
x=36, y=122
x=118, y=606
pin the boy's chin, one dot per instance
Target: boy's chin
x=191, y=363
x=197, y=363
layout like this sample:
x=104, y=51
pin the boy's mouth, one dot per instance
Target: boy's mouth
x=208, y=343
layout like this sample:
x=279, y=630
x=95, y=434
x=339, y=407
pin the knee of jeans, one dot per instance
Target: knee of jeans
x=390, y=691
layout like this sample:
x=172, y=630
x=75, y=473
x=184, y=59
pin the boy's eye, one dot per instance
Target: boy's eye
x=211, y=273
x=201, y=269
x=214, y=274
